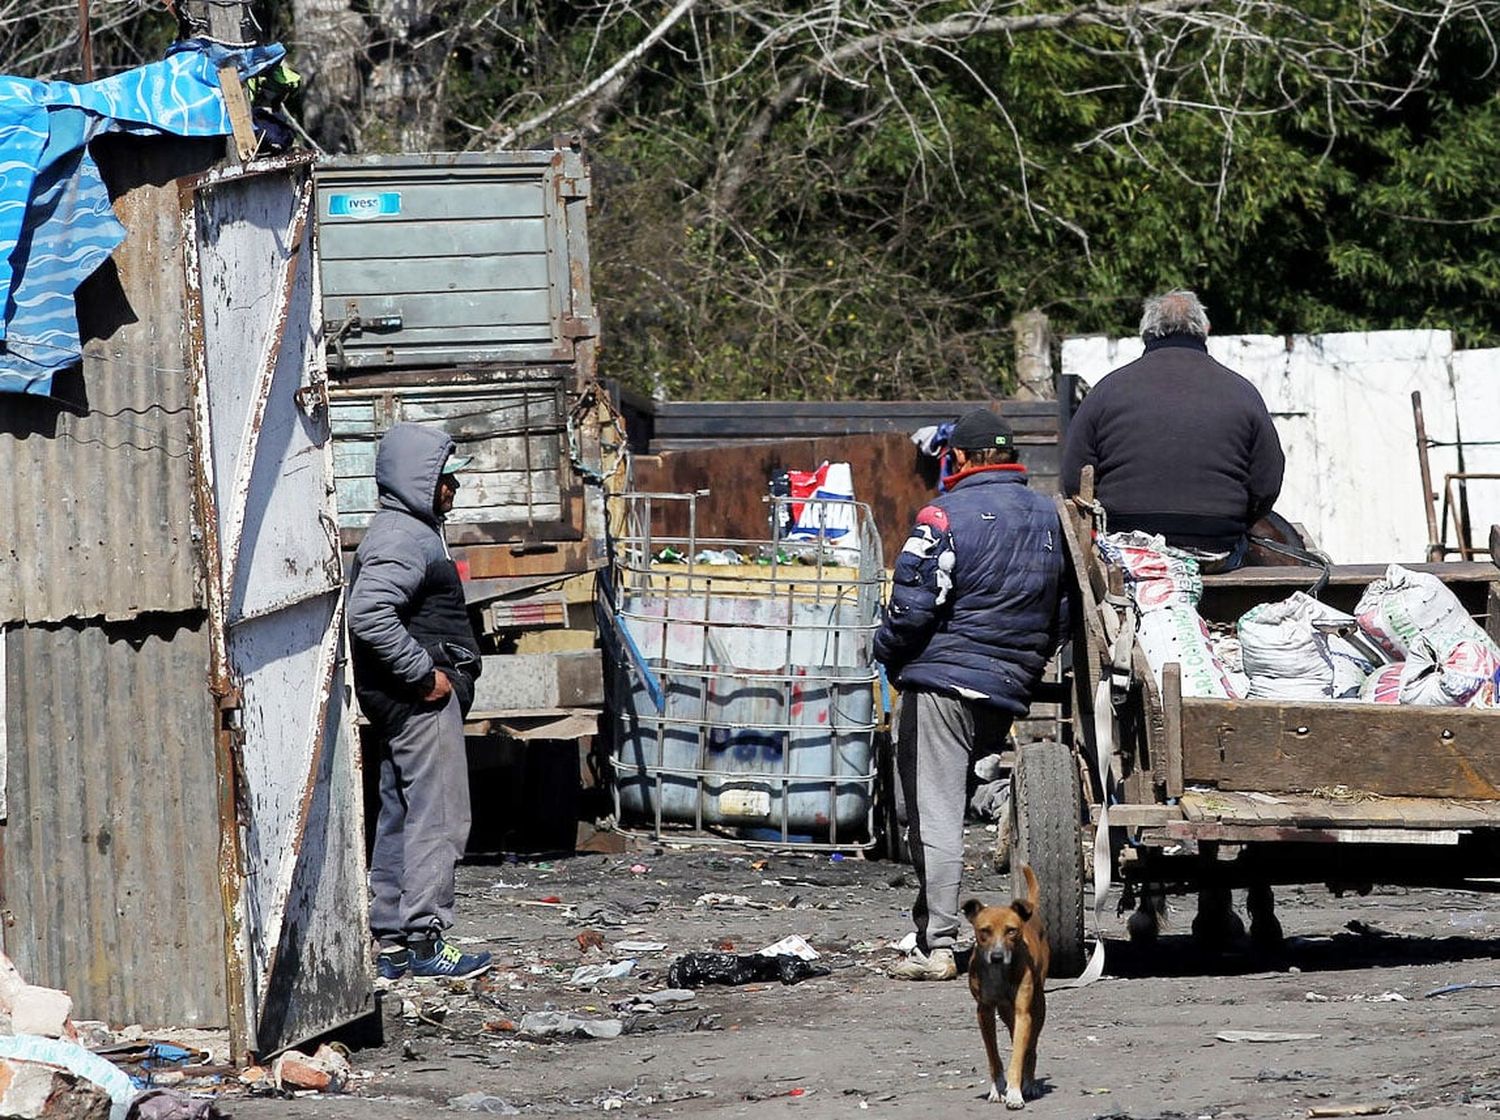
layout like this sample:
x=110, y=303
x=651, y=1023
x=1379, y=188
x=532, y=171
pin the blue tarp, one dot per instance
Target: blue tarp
x=56, y=222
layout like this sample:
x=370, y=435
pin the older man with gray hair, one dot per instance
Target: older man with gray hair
x=1180, y=445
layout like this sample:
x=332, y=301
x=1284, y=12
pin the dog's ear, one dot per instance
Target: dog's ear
x=1023, y=908
x=972, y=908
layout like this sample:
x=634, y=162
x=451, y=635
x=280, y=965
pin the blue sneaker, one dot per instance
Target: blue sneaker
x=392, y=962
x=446, y=962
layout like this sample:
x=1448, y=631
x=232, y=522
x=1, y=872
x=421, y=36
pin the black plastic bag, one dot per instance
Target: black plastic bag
x=693, y=970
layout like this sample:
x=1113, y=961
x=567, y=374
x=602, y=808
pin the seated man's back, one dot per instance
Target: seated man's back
x=1180, y=445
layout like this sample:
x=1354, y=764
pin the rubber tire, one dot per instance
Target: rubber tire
x=1046, y=832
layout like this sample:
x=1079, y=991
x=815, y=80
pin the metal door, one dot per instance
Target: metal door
x=292, y=850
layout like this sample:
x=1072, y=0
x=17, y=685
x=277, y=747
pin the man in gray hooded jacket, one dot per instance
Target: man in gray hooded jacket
x=415, y=662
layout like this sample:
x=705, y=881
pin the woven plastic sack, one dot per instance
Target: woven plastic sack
x=1465, y=676
x=1405, y=605
x=1156, y=575
x=1294, y=649
x=1178, y=634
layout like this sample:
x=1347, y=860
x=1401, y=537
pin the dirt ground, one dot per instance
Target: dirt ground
x=1140, y=1044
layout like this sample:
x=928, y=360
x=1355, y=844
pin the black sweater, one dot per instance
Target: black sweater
x=1180, y=445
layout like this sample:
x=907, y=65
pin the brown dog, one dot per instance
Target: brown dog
x=1008, y=977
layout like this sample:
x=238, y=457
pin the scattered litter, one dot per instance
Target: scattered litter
x=1265, y=1036
x=638, y=869
x=713, y=898
x=170, y=1104
x=483, y=1102
x=1358, y=997
x=696, y=969
x=589, y=939
x=1446, y=989
x=1348, y=1110
x=587, y=975
x=652, y=1000
x=794, y=945
x=555, y=1024
x=640, y=946
x=907, y=943
x=326, y=1071
x=718, y=556
x=76, y=1060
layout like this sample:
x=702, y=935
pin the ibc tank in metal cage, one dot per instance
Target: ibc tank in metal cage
x=742, y=680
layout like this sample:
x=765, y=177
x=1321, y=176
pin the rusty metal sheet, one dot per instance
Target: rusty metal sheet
x=889, y=474
x=293, y=871
x=682, y=424
x=110, y=886
x=96, y=496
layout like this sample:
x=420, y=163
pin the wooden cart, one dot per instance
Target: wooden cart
x=1210, y=793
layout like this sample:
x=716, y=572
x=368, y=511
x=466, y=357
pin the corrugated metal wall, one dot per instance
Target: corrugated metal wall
x=96, y=493
x=111, y=882
x=111, y=886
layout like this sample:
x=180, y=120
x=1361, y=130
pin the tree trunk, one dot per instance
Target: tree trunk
x=329, y=42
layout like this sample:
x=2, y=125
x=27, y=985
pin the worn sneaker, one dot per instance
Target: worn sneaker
x=936, y=965
x=447, y=962
x=392, y=963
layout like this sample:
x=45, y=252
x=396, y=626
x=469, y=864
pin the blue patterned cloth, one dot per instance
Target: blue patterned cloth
x=56, y=222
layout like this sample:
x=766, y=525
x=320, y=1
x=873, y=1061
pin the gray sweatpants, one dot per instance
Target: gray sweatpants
x=423, y=825
x=936, y=737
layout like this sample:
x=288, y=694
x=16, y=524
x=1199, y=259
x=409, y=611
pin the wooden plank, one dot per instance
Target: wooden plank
x=238, y=105
x=1140, y=816
x=1387, y=750
x=1171, y=702
x=1468, y=571
x=1252, y=834
x=1229, y=807
x=1093, y=631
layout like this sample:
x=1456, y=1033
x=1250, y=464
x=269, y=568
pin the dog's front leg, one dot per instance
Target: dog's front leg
x=1021, y=1041
x=991, y=1047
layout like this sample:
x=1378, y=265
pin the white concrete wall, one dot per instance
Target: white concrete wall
x=1342, y=405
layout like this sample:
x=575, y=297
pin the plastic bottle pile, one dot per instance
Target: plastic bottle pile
x=1409, y=641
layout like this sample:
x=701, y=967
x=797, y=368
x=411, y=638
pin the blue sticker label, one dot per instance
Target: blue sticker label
x=371, y=204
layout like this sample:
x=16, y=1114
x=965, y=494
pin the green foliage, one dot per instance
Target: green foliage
x=888, y=233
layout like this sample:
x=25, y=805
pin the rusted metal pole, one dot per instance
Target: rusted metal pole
x=1435, y=548
x=86, y=40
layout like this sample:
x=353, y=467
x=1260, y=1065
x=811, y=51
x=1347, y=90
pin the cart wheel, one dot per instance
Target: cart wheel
x=890, y=837
x=1046, y=810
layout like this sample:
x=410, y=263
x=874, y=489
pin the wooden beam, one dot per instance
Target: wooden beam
x=1492, y=611
x=1390, y=750
x=1171, y=704
x=238, y=105
x=1139, y=816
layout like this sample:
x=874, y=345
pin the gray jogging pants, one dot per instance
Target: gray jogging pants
x=423, y=825
x=936, y=736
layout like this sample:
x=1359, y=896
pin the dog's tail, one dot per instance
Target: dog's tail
x=1033, y=888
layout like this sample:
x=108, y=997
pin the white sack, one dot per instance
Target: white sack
x=1178, y=634
x=1156, y=575
x=1293, y=649
x=1406, y=605
x=1465, y=675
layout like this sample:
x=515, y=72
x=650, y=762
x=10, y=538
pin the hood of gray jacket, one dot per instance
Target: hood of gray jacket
x=408, y=466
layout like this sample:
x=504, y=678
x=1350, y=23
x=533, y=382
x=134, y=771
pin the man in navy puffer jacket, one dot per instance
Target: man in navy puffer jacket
x=977, y=609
